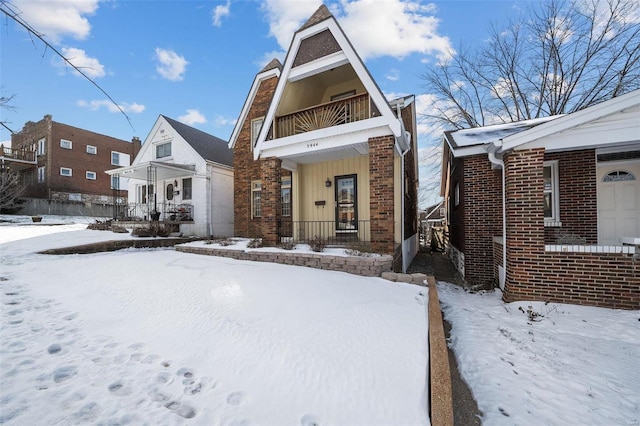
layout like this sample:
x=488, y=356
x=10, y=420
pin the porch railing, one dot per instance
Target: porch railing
x=306, y=231
x=164, y=212
x=348, y=110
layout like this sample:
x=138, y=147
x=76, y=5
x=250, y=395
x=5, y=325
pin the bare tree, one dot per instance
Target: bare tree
x=11, y=188
x=557, y=57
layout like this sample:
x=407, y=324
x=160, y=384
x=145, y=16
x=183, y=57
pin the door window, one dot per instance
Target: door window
x=346, y=204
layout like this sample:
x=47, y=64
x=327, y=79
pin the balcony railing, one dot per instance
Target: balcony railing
x=18, y=154
x=306, y=231
x=164, y=212
x=348, y=110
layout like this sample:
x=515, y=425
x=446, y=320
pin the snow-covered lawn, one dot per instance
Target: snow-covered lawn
x=162, y=337
x=553, y=364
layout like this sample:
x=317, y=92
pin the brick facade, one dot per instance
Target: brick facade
x=598, y=279
x=578, y=196
x=247, y=170
x=381, y=193
x=77, y=159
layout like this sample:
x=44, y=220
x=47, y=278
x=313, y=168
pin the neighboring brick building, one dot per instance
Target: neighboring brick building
x=569, y=188
x=69, y=175
x=320, y=153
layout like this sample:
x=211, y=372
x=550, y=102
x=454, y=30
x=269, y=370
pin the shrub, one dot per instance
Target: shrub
x=287, y=245
x=317, y=244
x=255, y=243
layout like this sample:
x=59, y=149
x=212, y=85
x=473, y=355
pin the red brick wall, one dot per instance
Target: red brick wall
x=578, y=201
x=608, y=280
x=381, y=193
x=482, y=216
x=245, y=168
x=76, y=158
x=271, y=200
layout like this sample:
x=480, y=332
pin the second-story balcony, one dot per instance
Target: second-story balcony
x=18, y=159
x=343, y=111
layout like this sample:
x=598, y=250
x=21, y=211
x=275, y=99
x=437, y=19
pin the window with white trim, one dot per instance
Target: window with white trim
x=256, y=198
x=286, y=195
x=163, y=150
x=256, y=125
x=65, y=171
x=115, y=182
x=41, y=146
x=91, y=175
x=186, y=189
x=115, y=158
x=551, y=192
x=92, y=149
x=41, y=174
x=66, y=144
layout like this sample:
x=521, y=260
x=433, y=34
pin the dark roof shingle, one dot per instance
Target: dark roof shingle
x=208, y=146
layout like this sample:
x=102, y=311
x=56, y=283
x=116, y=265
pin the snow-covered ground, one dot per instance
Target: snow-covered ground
x=545, y=364
x=162, y=337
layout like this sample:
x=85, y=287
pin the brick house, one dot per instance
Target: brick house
x=65, y=171
x=564, y=190
x=320, y=153
x=183, y=177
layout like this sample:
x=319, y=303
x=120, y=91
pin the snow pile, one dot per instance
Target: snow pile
x=545, y=364
x=161, y=337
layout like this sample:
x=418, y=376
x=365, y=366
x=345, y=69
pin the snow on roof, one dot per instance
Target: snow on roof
x=488, y=134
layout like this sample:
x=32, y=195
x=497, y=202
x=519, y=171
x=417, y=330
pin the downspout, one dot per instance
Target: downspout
x=498, y=161
x=402, y=189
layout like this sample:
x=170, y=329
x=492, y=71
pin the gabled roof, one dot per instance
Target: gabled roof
x=207, y=146
x=322, y=20
x=473, y=141
x=272, y=69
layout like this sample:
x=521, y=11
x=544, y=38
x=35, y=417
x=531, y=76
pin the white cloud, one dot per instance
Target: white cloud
x=193, y=116
x=95, y=105
x=220, y=12
x=78, y=57
x=221, y=121
x=376, y=28
x=171, y=65
x=393, y=75
x=56, y=19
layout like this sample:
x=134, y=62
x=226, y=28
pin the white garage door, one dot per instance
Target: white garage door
x=618, y=201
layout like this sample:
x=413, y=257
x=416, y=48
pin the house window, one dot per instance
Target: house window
x=256, y=125
x=41, y=146
x=91, y=175
x=551, y=197
x=115, y=182
x=186, y=189
x=618, y=176
x=163, y=150
x=286, y=196
x=65, y=171
x=40, y=174
x=256, y=198
x=66, y=144
x=115, y=158
x=92, y=149
x=456, y=194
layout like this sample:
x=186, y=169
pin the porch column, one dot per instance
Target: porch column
x=271, y=202
x=525, y=221
x=381, y=194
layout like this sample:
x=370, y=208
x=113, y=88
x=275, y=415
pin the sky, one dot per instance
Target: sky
x=195, y=60
x=156, y=336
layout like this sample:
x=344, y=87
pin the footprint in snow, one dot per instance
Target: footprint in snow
x=309, y=420
x=236, y=398
x=120, y=388
x=54, y=348
x=63, y=374
x=183, y=410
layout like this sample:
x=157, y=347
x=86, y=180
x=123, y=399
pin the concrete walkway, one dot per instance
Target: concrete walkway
x=465, y=409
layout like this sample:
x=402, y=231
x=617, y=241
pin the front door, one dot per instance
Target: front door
x=346, y=204
x=618, y=201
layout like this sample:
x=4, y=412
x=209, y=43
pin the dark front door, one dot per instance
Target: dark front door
x=346, y=204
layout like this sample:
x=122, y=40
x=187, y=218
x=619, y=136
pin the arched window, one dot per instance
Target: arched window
x=618, y=176
x=170, y=191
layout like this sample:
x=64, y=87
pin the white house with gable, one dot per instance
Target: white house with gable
x=182, y=177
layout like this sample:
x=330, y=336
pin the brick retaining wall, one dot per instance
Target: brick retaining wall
x=359, y=265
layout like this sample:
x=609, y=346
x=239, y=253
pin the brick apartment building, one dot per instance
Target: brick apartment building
x=68, y=164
